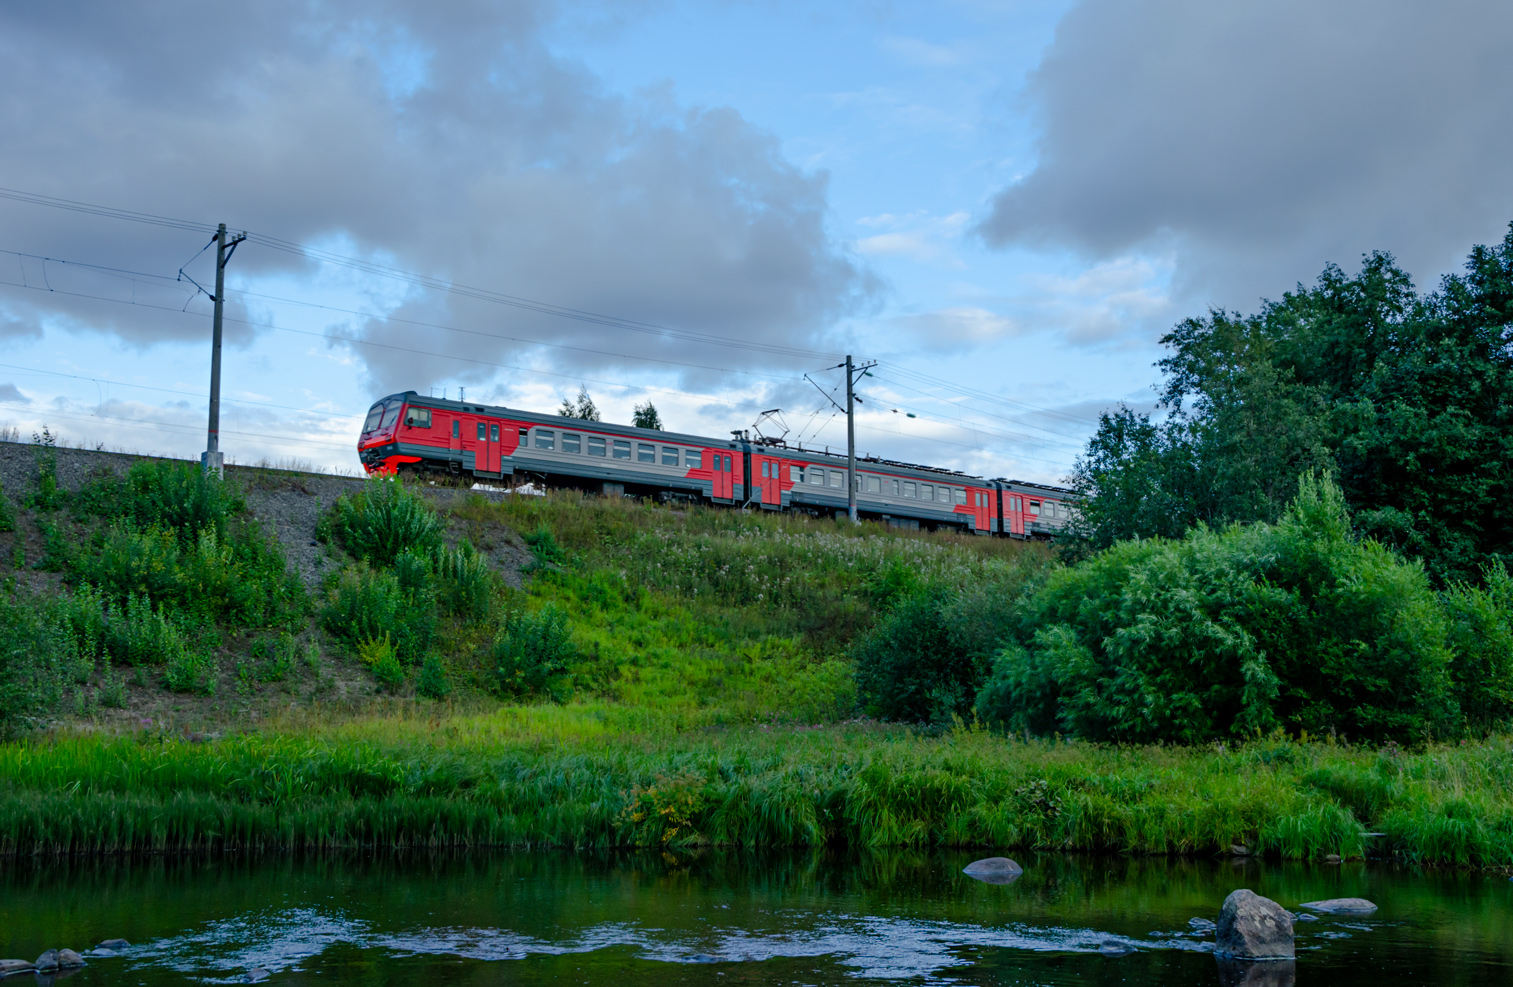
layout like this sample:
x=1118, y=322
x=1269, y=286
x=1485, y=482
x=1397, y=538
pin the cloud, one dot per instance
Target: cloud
x=1260, y=140
x=956, y=328
x=11, y=394
x=461, y=147
x=918, y=236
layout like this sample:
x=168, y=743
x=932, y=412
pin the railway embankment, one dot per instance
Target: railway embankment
x=292, y=661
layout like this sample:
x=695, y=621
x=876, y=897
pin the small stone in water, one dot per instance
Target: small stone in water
x=1331, y=858
x=68, y=959
x=253, y=976
x=993, y=870
x=8, y=967
x=703, y=958
x=1112, y=948
x=1304, y=917
x=112, y=944
x=1341, y=906
x=47, y=962
x=1201, y=924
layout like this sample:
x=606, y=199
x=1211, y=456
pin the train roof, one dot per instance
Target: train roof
x=1025, y=486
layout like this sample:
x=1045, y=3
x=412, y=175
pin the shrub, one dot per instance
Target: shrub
x=383, y=520
x=35, y=648
x=926, y=659
x=382, y=659
x=544, y=547
x=432, y=682
x=1231, y=633
x=1481, y=635
x=368, y=604
x=274, y=657
x=533, y=652
x=48, y=496
x=465, y=585
x=136, y=633
x=164, y=495
x=7, y=512
x=191, y=670
x=112, y=692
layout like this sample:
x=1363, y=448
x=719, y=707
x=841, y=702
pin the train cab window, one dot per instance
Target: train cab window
x=693, y=458
x=1035, y=507
x=909, y=489
x=456, y=429
x=546, y=438
x=816, y=476
x=375, y=415
x=669, y=456
x=571, y=442
x=595, y=445
x=646, y=453
x=622, y=449
x=483, y=431
x=493, y=433
x=391, y=415
x=418, y=418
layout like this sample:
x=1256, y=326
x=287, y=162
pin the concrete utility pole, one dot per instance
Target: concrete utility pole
x=212, y=461
x=851, y=401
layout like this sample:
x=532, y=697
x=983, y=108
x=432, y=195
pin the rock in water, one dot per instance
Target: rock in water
x=1112, y=948
x=1341, y=906
x=1200, y=925
x=255, y=976
x=115, y=945
x=1253, y=928
x=993, y=870
x=47, y=962
x=1241, y=973
x=8, y=967
x=68, y=959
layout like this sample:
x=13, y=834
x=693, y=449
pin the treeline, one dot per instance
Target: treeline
x=1406, y=398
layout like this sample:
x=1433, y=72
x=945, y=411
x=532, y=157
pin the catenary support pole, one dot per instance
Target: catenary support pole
x=212, y=459
x=850, y=444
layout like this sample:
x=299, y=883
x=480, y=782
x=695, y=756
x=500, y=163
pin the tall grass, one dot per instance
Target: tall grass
x=493, y=781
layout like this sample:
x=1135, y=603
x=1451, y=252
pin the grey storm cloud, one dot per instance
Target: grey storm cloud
x=446, y=140
x=1256, y=141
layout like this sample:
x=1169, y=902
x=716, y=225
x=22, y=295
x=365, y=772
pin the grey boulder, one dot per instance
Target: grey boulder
x=69, y=960
x=1341, y=906
x=114, y=945
x=993, y=870
x=47, y=962
x=1200, y=925
x=9, y=967
x=1251, y=927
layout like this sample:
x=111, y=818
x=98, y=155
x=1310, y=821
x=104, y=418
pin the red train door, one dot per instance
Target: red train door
x=723, y=474
x=772, y=492
x=982, y=509
x=492, y=447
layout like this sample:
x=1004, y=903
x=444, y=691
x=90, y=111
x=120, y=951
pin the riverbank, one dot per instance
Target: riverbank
x=598, y=775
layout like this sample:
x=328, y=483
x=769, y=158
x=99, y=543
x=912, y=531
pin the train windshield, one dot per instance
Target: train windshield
x=382, y=415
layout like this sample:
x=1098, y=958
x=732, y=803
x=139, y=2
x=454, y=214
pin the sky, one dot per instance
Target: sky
x=706, y=205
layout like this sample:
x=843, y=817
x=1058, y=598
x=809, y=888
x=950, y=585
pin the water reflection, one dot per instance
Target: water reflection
x=701, y=918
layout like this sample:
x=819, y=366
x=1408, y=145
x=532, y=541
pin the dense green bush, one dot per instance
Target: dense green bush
x=928, y=656
x=7, y=512
x=533, y=651
x=1233, y=633
x=382, y=521
x=1481, y=636
x=164, y=495
x=240, y=577
x=369, y=604
x=36, y=651
x=465, y=584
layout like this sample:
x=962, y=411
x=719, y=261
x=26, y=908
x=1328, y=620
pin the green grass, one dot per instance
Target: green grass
x=600, y=775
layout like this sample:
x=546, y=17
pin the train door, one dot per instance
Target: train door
x=491, y=447
x=740, y=479
x=765, y=478
x=982, y=509
x=454, y=441
x=722, y=480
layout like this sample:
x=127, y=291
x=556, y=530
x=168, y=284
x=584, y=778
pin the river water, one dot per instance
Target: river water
x=726, y=918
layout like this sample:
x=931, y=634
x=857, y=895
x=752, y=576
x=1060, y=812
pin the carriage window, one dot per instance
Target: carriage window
x=493, y=433
x=719, y=464
x=727, y=464
x=796, y=474
x=546, y=438
x=893, y=487
x=646, y=453
x=908, y=489
x=816, y=476
x=418, y=418
x=836, y=478
x=571, y=442
x=693, y=458
x=764, y=469
x=482, y=431
x=874, y=484
x=1034, y=507
x=961, y=497
x=669, y=456
x=926, y=491
x=595, y=445
x=622, y=449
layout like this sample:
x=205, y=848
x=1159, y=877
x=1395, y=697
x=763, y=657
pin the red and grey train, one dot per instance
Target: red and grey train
x=411, y=431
